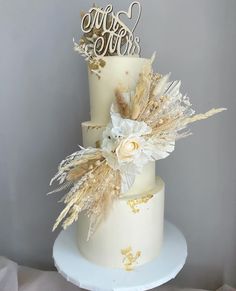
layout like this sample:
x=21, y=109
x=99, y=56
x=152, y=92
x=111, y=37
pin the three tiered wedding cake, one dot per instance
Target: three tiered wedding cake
x=132, y=233
x=136, y=117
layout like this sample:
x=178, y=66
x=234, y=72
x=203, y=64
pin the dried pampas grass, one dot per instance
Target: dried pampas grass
x=159, y=103
x=95, y=186
x=202, y=116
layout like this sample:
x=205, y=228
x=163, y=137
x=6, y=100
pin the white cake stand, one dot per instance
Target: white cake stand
x=79, y=271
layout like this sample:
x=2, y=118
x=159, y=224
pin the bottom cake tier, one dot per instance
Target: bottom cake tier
x=132, y=233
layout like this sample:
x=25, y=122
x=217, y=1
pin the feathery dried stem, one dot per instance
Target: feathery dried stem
x=141, y=96
x=95, y=186
x=159, y=103
x=202, y=116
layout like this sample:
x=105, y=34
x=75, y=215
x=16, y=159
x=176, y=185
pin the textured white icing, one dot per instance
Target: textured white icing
x=142, y=231
x=122, y=71
x=145, y=181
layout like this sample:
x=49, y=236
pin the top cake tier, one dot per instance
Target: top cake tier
x=118, y=71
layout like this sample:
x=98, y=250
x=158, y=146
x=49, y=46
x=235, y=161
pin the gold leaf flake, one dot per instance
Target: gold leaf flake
x=98, y=144
x=94, y=127
x=133, y=203
x=129, y=258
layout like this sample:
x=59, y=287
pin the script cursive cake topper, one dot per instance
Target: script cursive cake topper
x=115, y=36
x=106, y=34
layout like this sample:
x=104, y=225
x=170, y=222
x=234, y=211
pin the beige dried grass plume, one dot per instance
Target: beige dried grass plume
x=95, y=186
x=159, y=103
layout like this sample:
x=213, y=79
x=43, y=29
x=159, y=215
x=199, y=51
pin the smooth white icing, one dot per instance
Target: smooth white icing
x=142, y=231
x=117, y=71
x=145, y=181
x=91, y=133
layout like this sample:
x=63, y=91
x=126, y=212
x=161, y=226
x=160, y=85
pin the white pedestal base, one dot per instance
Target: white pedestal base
x=77, y=270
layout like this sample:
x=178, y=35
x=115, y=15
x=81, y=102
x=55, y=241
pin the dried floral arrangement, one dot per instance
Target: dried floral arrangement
x=145, y=124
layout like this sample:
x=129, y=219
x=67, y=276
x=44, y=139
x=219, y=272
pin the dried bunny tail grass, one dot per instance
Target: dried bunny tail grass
x=122, y=105
x=202, y=116
x=133, y=104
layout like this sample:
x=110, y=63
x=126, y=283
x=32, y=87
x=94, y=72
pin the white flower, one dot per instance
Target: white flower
x=124, y=147
x=127, y=147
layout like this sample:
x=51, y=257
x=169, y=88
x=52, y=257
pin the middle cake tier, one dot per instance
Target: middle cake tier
x=145, y=181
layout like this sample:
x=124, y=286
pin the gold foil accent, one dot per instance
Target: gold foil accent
x=93, y=127
x=129, y=258
x=98, y=144
x=133, y=203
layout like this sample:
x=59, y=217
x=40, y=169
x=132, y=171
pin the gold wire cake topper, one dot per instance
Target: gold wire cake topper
x=115, y=37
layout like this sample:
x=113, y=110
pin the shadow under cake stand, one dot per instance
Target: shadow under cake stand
x=83, y=273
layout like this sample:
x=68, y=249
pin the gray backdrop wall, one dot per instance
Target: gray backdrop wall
x=44, y=98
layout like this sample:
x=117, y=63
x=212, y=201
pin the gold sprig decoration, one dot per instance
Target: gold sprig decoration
x=94, y=185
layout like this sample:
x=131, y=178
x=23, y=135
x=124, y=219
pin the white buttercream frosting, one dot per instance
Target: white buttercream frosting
x=135, y=223
x=118, y=71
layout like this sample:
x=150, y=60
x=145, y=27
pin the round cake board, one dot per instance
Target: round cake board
x=83, y=273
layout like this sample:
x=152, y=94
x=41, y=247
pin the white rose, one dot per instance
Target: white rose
x=127, y=149
x=124, y=148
